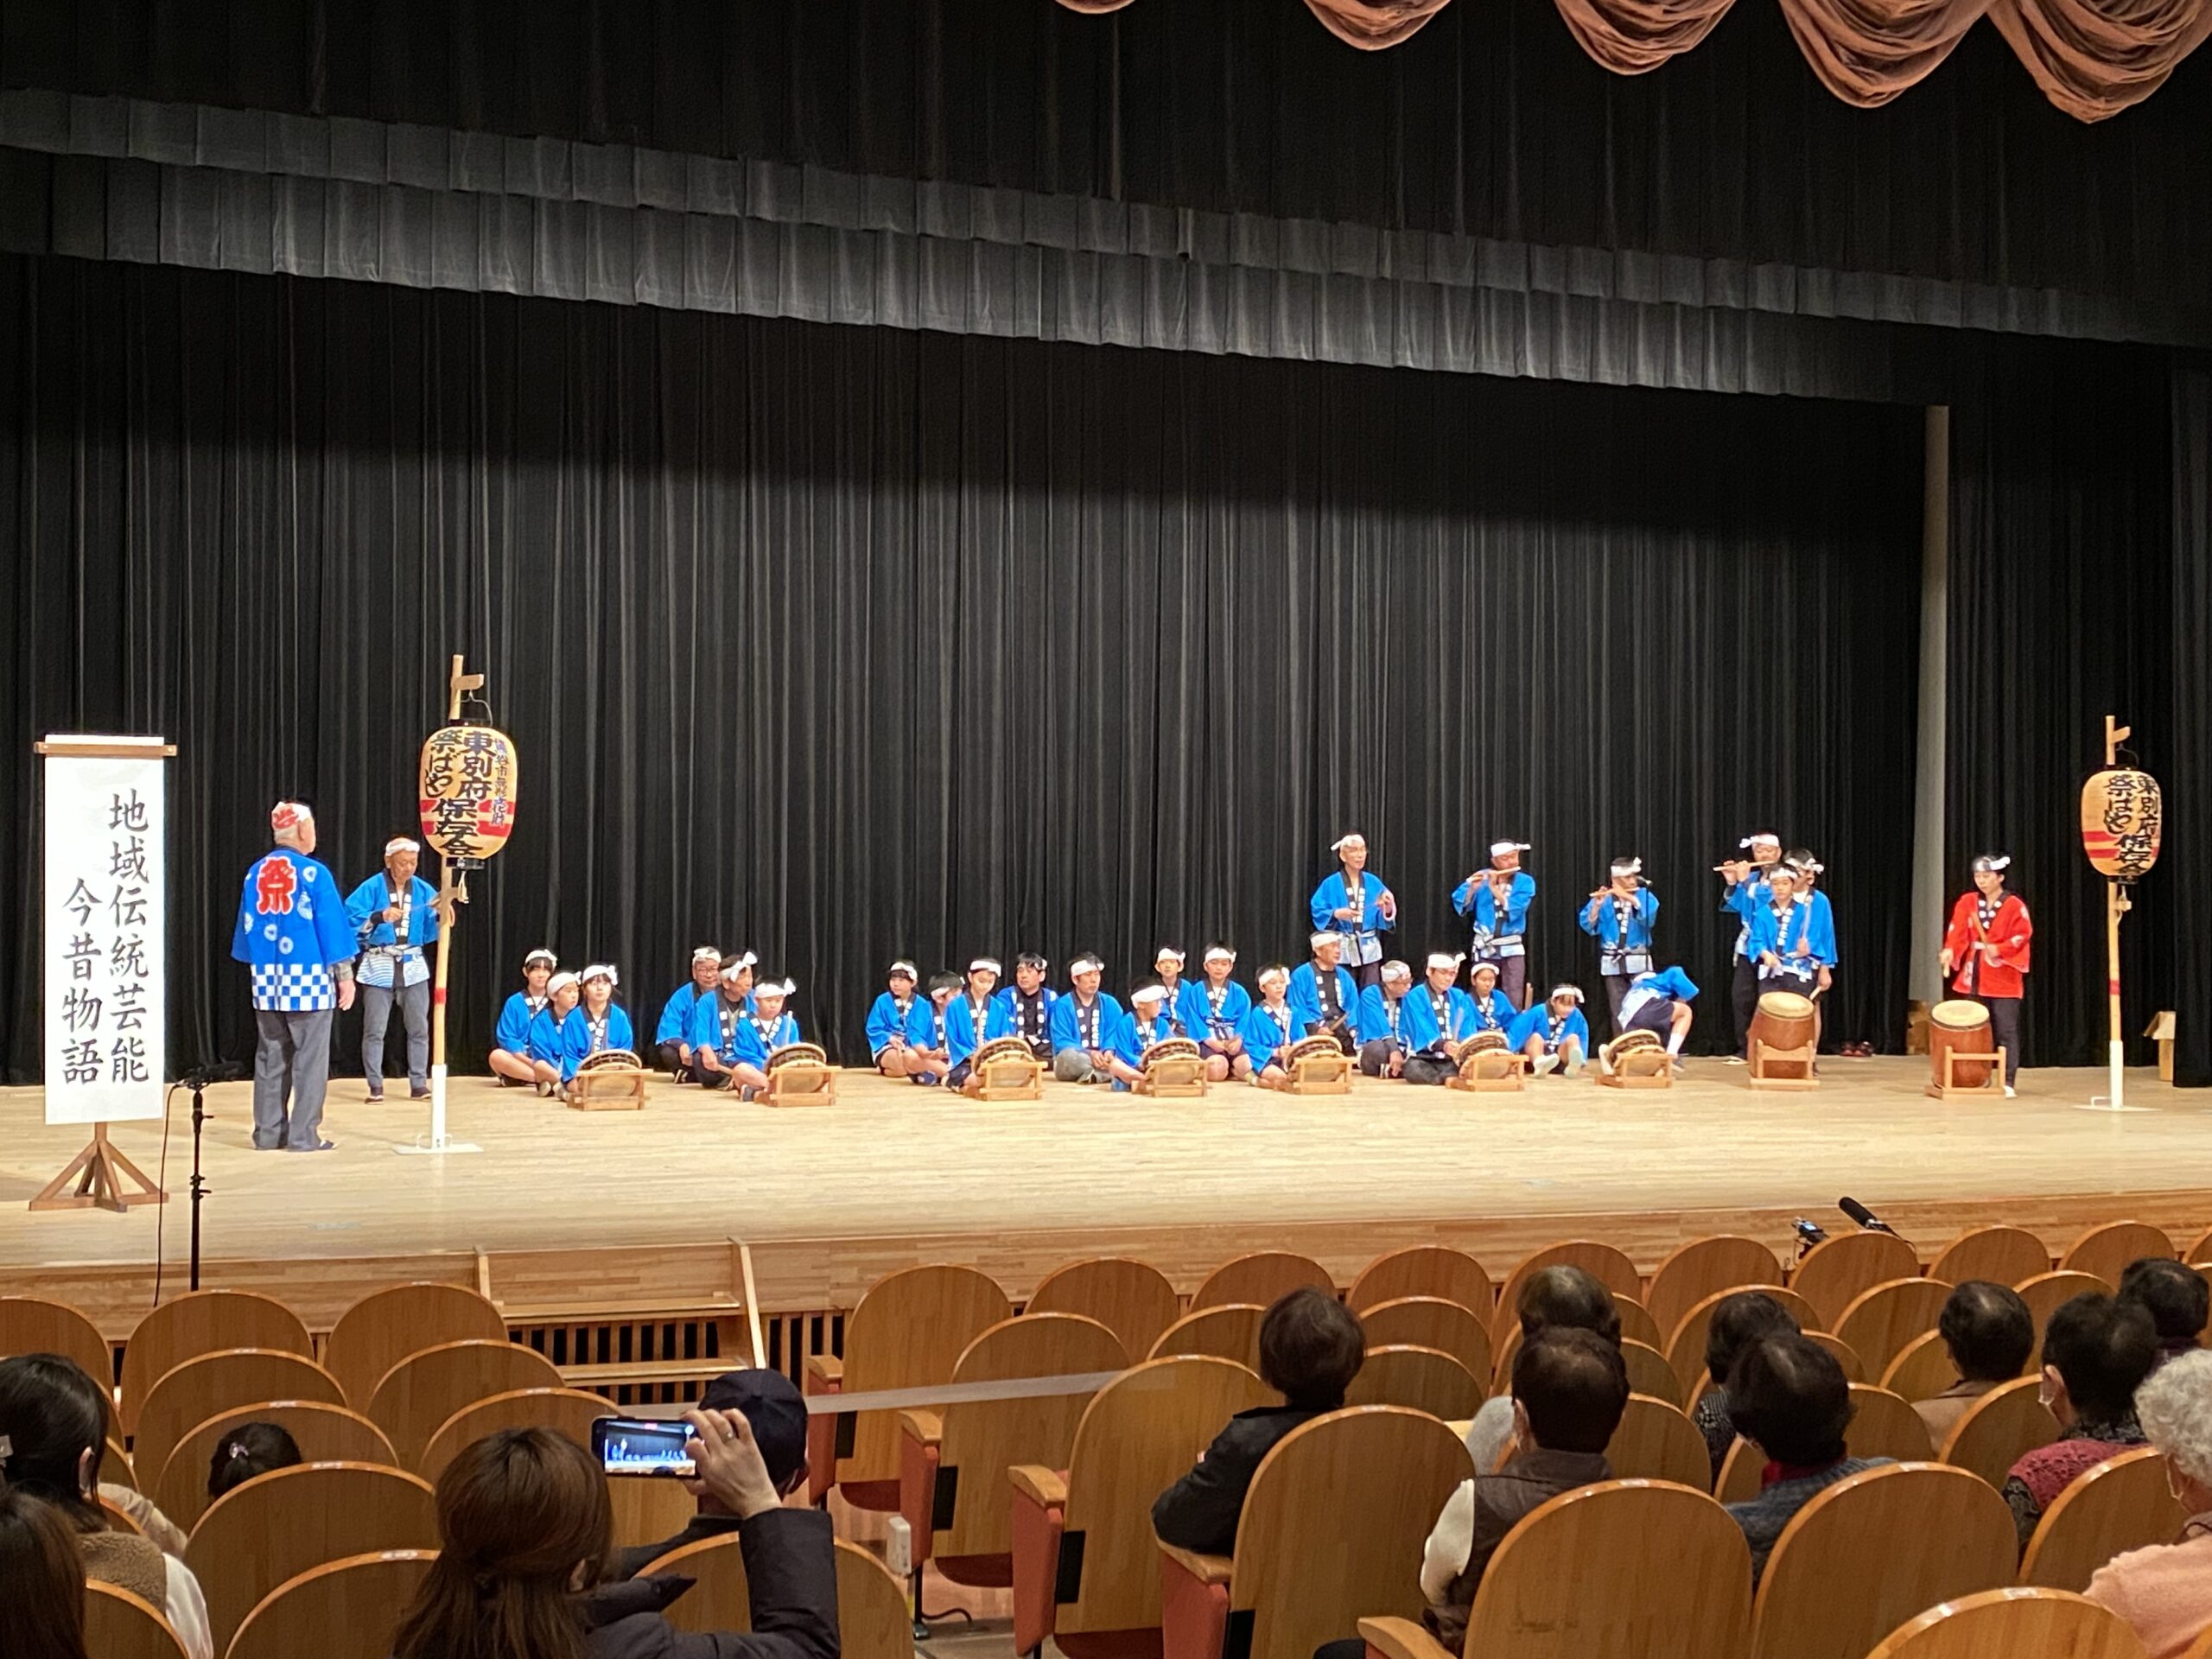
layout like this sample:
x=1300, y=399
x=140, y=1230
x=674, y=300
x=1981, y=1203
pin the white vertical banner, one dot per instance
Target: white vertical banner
x=106, y=942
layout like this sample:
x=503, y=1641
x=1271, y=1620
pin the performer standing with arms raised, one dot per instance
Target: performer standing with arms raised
x=395, y=914
x=1496, y=905
x=1620, y=918
x=294, y=933
x=1358, y=907
x=1743, y=888
x=1986, y=945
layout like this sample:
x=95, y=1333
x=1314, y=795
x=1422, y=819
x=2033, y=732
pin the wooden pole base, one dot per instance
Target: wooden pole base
x=106, y=1181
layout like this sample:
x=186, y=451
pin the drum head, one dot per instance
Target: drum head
x=1484, y=1042
x=1786, y=1005
x=1959, y=1015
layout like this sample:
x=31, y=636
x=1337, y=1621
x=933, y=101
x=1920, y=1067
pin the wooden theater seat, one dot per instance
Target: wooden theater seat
x=1133, y=1300
x=195, y=1391
x=121, y=1626
x=1609, y=1267
x=1637, y=1323
x=1885, y=1426
x=1702, y=1267
x=1423, y=1379
x=1854, y=1370
x=31, y=1325
x=1231, y=1331
x=1262, y=1277
x=203, y=1322
x=1649, y=1373
x=2047, y=1293
x=1300, y=1574
x=1657, y=1441
x=1430, y=1322
x=1999, y=1429
x=386, y=1325
x=341, y=1609
x=1998, y=1256
x=416, y=1396
x=1425, y=1270
x=2123, y=1503
x=1686, y=1347
x=908, y=1331
x=1624, y=1567
x=1870, y=1551
x=324, y=1433
x=1922, y=1369
x=2107, y=1251
x=276, y=1525
x=953, y=1459
x=2014, y=1624
x=1882, y=1318
x=1738, y=1479
x=872, y=1620
x=1086, y=1568
x=1837, y=1271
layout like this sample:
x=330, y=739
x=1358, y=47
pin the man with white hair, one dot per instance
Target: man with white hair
x=395, y=914
x=1357, y=906
x=2166, y=1591
x=294, y=934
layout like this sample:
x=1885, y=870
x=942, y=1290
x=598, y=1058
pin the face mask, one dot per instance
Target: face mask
x=2047, y=1393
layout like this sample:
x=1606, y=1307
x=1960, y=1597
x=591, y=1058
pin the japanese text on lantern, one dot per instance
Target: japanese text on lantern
x=2122, y=816
x=467, y=793
x=105, y=945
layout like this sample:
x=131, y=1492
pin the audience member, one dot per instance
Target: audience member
x=1569, y=1389
x=54, y=1419
x=524, y=1527
x=1989, y=1334
x=1789, y=1398
x=250, y=1449
x=42, y=1582
x=1551, y=1296
x=2175, y=1296
x=2165, y=1592
x=1740, y=1321
x=1310, y=1347
x=772, y=1404
x=2096, y=1351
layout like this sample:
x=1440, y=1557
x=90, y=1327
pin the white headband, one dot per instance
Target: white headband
x=1759, y=841
x=1571, y=991
x=1317, y=940
x=1149, y=994
x=1221, y=953
x=401, y=844
x=290, y=814
x=559, y=981
x=1807, y=866
x=541, y=954
x=1993, y=862
x=730, y=973
x=1396, y=970
x=903, y=966
x=1085, y=966
x=1499, y=849
x=1441, y=959
x=707, y=953
x=601, y=971
x=1169, y=953
x=1480, y=967
x=983, y=962
x=1628, y=867
x=1338, y=845
x=774, y=988
x=1280, y=976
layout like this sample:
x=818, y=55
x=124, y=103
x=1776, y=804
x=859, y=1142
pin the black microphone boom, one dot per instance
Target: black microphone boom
x=1866, y=1218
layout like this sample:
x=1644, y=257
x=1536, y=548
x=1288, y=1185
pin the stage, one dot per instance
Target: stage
x=569, y=1207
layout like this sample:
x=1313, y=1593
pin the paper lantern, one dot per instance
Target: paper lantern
x=467, y=790
x=2121, y=813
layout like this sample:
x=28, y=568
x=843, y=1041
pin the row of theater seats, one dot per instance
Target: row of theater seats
x=411, y=1374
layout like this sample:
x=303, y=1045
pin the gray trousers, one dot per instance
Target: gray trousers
x=291, y=1056
x=376, y=1019
x=1073, y=1065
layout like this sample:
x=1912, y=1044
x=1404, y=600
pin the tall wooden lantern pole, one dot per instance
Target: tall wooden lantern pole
x=2121, y=816
x=467, y=800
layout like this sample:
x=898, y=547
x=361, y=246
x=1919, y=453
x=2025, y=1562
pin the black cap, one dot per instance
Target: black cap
x=772, y=1404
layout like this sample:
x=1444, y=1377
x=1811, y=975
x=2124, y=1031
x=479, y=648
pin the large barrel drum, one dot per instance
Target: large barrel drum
x=1958, y=1026
x=1784, y=1019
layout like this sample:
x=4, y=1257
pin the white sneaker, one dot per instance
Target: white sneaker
x=1574, y=1067
x=1545, y=1065
x=1735, y=1060
x=2011, y=1093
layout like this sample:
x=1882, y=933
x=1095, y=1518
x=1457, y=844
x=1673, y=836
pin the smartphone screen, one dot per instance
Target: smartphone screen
x=642, y=1446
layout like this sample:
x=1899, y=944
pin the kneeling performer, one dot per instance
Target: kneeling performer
x=1382, y=1022
x=1553, y=1035
x=1660, y=1003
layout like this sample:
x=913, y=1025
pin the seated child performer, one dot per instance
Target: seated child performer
x=1213, y=1013
x=1146, y=1023
x=1168, y=964
x=1028, y=1003
x=888, y=1017
x=1659, y=1002
x=1082, y=1025
x=1552, y=1033
x=599, y=1022
x=1270, y=1028
x=972, y=1018
x=929, y=1033
x=510, y=1061
x=766, y=1026
x=713, y=1025
x=672, y=1037
x=1495, y=903
x=1439, y=1017
x=1383, y=1008
x=547, y=1049
x=1324, y=995
x=1493, y=1009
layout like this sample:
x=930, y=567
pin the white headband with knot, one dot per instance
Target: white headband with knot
x=1993, y=862
x=1445, y=959
x=707, y=953
x=903, y=966
x=1396, y=970
x=774, y=988
x=542, y=954
x=1149, y=994
x=1221, y=953
x=1571, y=992
x=1500, y=849
x=1168, y=953
x=982, y=964
x=1327, y=936
x=1342, y=842
x=1280, y=976
x=1628, y=867
x=601, y=971
x=401, y=844
x=1807, y=866
x=559, y=982
x=1759, y=841
x=1085, y=966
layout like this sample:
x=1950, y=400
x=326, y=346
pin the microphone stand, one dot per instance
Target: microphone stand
x=199, y=1081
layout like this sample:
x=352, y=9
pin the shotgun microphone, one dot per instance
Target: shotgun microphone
x=1866, y=1218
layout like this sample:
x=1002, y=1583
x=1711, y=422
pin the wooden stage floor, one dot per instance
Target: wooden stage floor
x=829, y=1198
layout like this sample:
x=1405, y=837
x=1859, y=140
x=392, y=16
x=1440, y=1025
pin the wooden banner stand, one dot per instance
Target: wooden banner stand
x=106, y=1181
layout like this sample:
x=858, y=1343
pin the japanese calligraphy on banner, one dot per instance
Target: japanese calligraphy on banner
x=467, y=793
x=106, y=937
x=2122, y=816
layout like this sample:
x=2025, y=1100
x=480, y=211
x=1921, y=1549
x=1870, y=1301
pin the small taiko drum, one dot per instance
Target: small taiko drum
x=1173, y=1066
x=1000, y=1049
x=1487, y=1056
x=1785, y=1020
x=1958, y=1026
x=1315, y=1047
x=1635, y=1042
x=609, y=1080
x=1484, y=1042
x=785, y=1054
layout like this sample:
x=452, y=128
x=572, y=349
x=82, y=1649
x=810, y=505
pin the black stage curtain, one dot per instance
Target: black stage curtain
x=2062, y=599
x=843, y=643
x=1492, y=121
x=2186, y=875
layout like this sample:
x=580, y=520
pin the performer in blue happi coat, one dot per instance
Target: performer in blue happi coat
x=672, y=1037
x=395, y=914
x=1439, y=1017
x=1787, y=939
x=1146, y=1023
x=510, y=1061
x=1744, y=889
x=1083, y=1025
x=1383, y=1046
x=1271, y=1028
x=1359, y=907
x=1553, y=1034
x=1659, y=1003
x=1028, y=1003
x=1324, y=995
x=599, y=1023
x=1488, y=1004
x=1495, y=903
x=1213, y=1010
x=714, y=1021
x=887, y=1019
x=548, y=1047
x=1168, y=964
x=1621, y=916
x=974, y=1018
x=929, y=1033
x=293, y=933
x=766, y=1027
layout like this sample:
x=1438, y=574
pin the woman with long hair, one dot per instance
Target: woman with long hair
x=42, y=1582
x=525, y=1533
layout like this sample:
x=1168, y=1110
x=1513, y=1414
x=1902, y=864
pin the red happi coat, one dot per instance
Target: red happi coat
x=2010, y=931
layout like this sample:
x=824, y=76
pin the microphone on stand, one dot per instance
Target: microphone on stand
x=1866, y=1218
